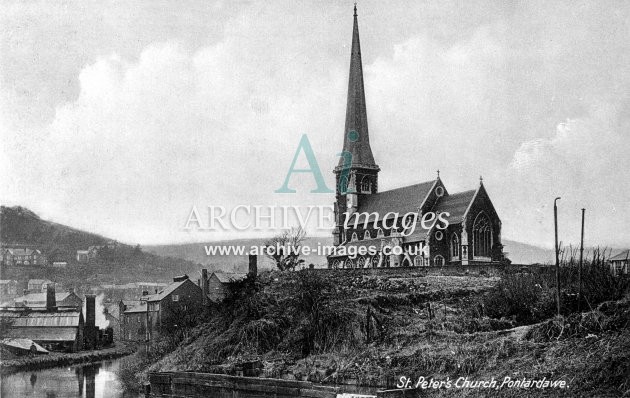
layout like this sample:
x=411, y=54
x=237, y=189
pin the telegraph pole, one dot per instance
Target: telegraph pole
x=555, y=221
x=581, y=259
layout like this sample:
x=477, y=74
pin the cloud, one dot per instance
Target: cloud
x=586, y=163
x=139, y=121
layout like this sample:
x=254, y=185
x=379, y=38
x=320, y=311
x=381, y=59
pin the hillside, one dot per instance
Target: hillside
x=20, y=226
x=519, y=253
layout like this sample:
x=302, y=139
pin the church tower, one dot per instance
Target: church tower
x=357, y=173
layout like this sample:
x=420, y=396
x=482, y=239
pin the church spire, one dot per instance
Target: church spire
x=356, y=139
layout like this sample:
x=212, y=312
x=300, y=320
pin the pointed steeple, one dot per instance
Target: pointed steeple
x=356, y=138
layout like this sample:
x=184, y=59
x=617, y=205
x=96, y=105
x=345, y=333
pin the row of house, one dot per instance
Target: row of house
x=10, y=288
x=23, y=257
x=140, y=320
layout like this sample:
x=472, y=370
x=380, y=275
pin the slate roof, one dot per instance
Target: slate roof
x=38, y=299
x=39, y=281
x=456, y=205
x=400, y=200
x=168, y=289
x=22, y=252
x=227, y=277
x=23, y=344
x=624, y=255
x=43, y=319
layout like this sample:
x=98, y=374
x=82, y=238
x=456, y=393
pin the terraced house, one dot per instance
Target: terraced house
x=470, y=230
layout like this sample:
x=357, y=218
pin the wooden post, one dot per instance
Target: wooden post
x=555, y=221
x=580, y=269
x=368, y=319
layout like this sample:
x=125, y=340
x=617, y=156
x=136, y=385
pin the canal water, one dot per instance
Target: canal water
x=97, y=380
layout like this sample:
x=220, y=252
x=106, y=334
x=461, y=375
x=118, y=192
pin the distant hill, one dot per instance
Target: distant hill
x=21, y=226
x=519, y=253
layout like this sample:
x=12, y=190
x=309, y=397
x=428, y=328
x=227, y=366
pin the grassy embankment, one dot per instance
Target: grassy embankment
x=347, y=327
x=15, y=364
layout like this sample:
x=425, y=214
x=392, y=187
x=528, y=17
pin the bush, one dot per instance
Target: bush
x=528, y=298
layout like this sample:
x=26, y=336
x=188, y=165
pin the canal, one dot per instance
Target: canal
x=96, y=380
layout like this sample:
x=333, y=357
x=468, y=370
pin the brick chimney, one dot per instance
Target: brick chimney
x=204, y=286
x=253, y=265
x=51, y=298
x=90, y=321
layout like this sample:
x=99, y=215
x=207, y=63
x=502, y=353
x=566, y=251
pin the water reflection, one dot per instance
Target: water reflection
x=85, y=381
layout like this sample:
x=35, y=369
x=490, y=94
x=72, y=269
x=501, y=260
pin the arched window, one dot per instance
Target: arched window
x=482, y=236
x=343, y=185
x=361, y=262
x=379, y=233
x=438, y=261
x=349, y=263
x=367, y=235
x=365, y=184
x=418, y=261
x=354, y=237
x=455, y=247
x=375, y=261
x=337, y=264
x=406, y=261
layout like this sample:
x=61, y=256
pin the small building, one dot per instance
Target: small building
x=177, y=296
x=133, y=323
x=143, y=320
x=83, y=256
x=39, y=285
x=50, y=326
x=23, y=257
x=218, y=283
x=68, y=300
x=8, y=288
x=619, y=263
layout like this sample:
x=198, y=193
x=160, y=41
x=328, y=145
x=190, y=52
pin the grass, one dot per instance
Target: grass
x=314, y=326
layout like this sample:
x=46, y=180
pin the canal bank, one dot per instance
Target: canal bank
x=55, y=359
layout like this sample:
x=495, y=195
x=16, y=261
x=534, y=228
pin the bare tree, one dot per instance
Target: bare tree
x=285, y=249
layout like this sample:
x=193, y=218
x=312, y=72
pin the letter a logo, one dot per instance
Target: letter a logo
x=305, y=146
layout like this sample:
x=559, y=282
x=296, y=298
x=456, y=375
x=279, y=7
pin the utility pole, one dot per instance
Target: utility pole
x=555, y=221
x=580, y=269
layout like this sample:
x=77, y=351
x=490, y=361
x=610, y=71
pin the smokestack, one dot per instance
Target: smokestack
x=253, y=265
x=204, y=286
x=90, y=321
x=51, y=299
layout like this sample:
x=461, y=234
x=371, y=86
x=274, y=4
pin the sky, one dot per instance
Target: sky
x=119, y=117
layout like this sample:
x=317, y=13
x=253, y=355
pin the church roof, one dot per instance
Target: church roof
x=401, y=200
x=358, y=142
x=456, y=205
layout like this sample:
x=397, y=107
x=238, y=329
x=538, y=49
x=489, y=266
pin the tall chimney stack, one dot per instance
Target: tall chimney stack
x=51, y=299
x=253, y=265
x=204, y=286
x=90, y=321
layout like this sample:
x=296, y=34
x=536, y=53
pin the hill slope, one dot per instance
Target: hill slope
x=121, y=263
x=21, y=226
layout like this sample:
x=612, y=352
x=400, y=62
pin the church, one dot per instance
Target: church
x=468, y=228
